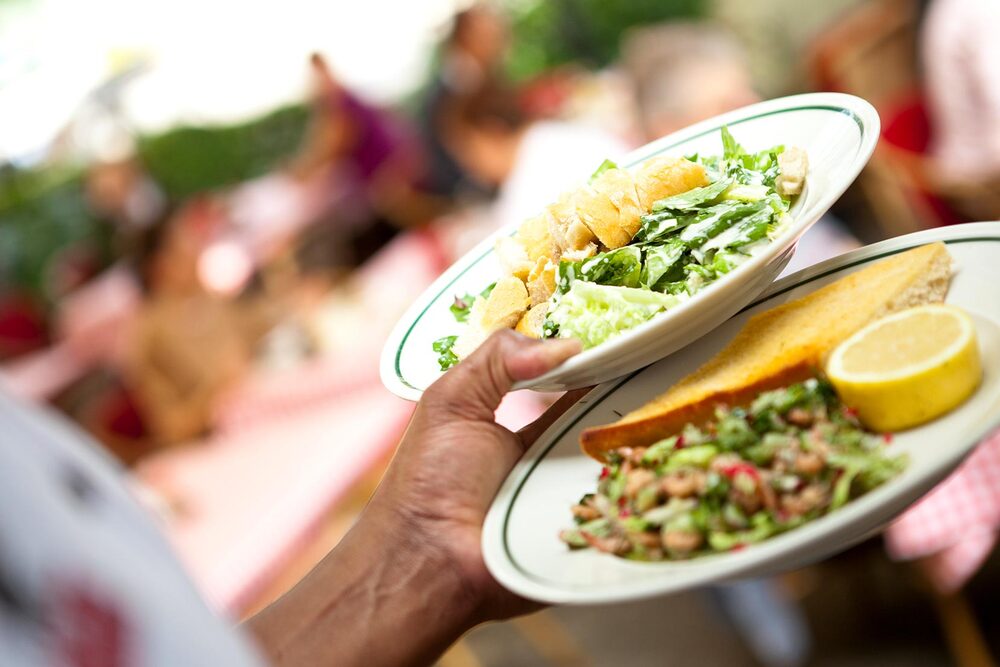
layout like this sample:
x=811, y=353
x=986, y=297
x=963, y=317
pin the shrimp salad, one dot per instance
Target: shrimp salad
x=794, y=455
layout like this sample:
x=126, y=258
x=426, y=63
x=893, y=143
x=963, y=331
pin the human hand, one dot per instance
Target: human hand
x=409, y=578
x=454, y=457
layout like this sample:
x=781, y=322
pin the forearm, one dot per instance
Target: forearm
x=382, y=597
x=409, y=578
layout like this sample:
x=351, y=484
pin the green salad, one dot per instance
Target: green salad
x=683, y=244
x=794, y=455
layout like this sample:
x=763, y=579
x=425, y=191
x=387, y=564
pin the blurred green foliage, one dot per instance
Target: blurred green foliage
x=44, y=211
x=42, y=214
x=548, y=33
x=189, y=160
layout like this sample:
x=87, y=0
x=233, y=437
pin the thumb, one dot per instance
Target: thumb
x=476, y=386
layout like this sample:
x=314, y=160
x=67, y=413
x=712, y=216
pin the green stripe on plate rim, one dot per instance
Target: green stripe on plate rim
x=620, y=382
x=815, y=107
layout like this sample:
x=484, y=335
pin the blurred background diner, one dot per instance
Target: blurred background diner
x=212, y=214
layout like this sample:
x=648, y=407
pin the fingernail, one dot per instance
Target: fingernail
x=551, y=353
x=543, y=357
x=559, y=350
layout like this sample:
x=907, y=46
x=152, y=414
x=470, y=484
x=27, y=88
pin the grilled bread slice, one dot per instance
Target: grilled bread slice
x=535, y=237
x=566, y=228
x=532, y=323
x=661, y=177
x=513, y=257
x=610, y=207
x=541, y=282
x=783, y=345
x=502, y=309
x=612, y=203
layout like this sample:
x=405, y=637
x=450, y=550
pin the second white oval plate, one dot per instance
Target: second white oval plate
x=520, y=542
x=839, y=132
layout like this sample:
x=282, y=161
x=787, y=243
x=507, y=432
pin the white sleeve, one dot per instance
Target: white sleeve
x=85, y=577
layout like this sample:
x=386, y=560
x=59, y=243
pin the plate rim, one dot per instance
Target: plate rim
x=856, y=108
x=496, y=552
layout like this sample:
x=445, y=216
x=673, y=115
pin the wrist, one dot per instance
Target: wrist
x=404, y=541
x=385, y=595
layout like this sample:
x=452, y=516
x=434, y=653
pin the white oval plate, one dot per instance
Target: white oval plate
x=520, y=542
x=839, y=133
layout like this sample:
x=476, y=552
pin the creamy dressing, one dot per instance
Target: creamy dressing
x=723, y=239
x=695, y=230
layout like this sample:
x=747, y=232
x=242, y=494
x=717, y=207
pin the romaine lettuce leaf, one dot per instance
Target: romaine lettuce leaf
x=620, y=267
x=446, y=356
x=714, y=220
x=660, y=259
x=603, y=167
x=725, y=261
x=658, y=227
x=594, y=313
x=744, y=232
x=462, y=305
x=767, y=165
x=694, y=198
x=730, y=147
x=698, y=276
x=746, y=193
x=743, y=167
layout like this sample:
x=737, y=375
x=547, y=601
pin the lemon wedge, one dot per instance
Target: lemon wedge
x=907, y=368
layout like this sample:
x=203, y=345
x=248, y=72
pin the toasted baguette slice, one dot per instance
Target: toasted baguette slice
x=502, y=309
x=541, y=282
x=505, y=305
x=532, y=322
x=793, y=164
x=585, y=252
x=513, y=258
x=565, y=226
x=661, y=177
x=534, y=236
x=609, y=206
x=781, y=346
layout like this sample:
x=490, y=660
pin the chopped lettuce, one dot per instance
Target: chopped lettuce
x=871, y=469
x=694, y=198
x=686, y=242
x=763, y=527
x=660, y=227
x=621, y=267
x=746, y=193
x=446, y=355
x=660, y=261
x=731, y=148
x=751, y=228
x=726, y=260
x=594, y=313
x=743, y=167
x=462, y=305
x=716, y=219
x=603, y=167
x=699, y=456
x=660, y=450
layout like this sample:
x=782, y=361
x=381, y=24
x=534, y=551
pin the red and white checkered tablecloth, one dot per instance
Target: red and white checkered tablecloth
x=955, y=526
